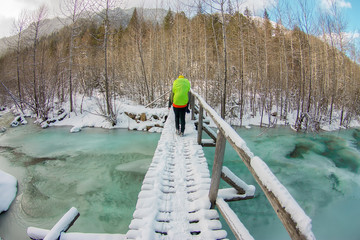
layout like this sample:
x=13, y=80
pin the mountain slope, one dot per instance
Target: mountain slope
x=118, y=17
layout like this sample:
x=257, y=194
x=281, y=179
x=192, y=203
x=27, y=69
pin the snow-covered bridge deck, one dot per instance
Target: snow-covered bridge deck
x=173, y=202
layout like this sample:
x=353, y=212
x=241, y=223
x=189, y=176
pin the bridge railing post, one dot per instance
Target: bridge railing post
x=192, y=105
x=217, y=168
x=200, y=125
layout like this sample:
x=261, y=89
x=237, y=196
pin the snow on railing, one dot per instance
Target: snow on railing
x=294, y=219
x=234, y=223
x=58, y=232
x=61, y=226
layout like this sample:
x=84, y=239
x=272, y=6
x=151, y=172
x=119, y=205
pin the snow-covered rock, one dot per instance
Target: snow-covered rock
x=59, y=116
x=75, y=129
x=19, y=120
x=8, y=189
x=129, y=116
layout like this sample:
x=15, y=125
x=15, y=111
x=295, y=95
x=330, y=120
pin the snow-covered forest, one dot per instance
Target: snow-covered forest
x=302, y=63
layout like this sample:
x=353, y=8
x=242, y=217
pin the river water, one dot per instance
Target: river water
x=100, y=173
x=320, y=171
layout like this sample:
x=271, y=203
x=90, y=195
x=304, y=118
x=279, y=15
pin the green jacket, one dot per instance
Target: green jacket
x=180, y=91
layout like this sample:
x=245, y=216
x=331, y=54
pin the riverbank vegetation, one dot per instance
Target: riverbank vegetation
x=241, y=64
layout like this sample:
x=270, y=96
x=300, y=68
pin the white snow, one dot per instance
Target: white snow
x=255, y=120
x=87, y=114
x=19, y=120
x=39, y=233
x=233, y=220
x=90, y=118
x=57, y=232
x=174, y=199
x=63, y=224
x=75, y=129
x=8, y=189
x=249, y=189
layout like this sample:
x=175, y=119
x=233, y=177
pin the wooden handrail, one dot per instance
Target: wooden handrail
x=294, y=219
x=60, y=227
x=157, y=99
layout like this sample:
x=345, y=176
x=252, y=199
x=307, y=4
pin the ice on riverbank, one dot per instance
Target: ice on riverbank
x=8, y=189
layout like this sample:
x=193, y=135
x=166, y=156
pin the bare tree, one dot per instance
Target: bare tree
x=38, y=16
x=20, y=25
x=283, y=6
x=332, y=32
x=339, y=26
x=304, y=20
x=137, y=31
x=73, y=10
x=221, y=6
x=103, y=8
x=267, y=102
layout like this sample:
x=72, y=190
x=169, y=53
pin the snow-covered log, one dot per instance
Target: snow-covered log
x=61, y=226
x=39, y=233
x=237, y=183
x=233, y=221
x=19, y=120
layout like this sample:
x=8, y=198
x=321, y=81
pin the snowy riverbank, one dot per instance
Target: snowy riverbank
x=137, y=117
x=250, y=120
x=87, y=114
x=130, y=116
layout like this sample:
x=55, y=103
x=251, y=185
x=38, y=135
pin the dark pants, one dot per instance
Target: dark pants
x=180, y=118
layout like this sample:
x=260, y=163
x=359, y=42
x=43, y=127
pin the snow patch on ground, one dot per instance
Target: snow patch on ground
x=8, y=189
x=87, y=114
x=129, y=116
x=255, y=120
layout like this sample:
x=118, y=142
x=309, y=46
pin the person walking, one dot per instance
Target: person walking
x=179, y=99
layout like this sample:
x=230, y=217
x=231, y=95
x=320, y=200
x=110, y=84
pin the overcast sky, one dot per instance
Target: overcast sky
x=11, y=9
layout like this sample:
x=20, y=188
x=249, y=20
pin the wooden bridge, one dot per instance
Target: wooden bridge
x=178, y=197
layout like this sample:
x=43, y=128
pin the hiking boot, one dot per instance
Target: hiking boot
x=177, y=132
x=181, y=134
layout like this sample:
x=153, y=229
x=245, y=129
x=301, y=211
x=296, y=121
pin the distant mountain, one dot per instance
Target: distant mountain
x=118, y=17
x=121, y=17
x=49, y=26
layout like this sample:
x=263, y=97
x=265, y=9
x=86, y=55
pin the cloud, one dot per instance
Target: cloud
x=258, y=6
x=326, y=4
x=351, y=36
x=9, y=9
x=6, y=25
